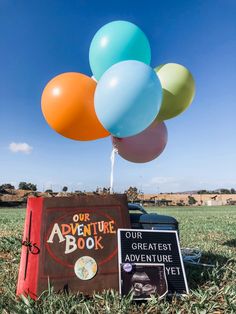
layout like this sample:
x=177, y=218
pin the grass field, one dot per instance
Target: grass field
x=212, y=289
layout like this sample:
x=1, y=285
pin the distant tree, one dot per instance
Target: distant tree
x=79, y=192
x=103, y=191
x=7, y=186
x=49, y=191
x=98, y=190
x=203, y=192
x=23, y=186
x=132, y=194
x=164, y=202
x=225, y=191
x=232, y=190
x=65, y=189
x=191, y=200
x=27, y=186
x=180, y=203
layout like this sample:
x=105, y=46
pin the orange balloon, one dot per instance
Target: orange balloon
x=68, y=107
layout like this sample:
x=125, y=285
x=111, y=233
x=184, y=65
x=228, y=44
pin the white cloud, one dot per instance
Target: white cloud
x=20, y=148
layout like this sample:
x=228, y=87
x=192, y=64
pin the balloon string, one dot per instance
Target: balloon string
x=113, y=154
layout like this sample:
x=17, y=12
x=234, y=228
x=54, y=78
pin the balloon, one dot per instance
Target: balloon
x=128, y=98
x=92, y=77
x=68, y=107
x=117, y=41
x=144, y=146
x=178, y=89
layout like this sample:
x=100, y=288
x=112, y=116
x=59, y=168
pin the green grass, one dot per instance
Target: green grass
x=212, y=289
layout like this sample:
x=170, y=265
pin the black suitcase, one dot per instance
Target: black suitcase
x=140, y=219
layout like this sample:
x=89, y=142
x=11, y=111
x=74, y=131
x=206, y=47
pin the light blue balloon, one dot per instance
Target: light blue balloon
x=117, y=41
x=128, y=98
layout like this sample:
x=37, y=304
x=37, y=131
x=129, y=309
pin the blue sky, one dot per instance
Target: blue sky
x=41, y=39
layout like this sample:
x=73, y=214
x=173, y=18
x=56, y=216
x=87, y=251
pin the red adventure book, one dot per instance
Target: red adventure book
x=72, y=243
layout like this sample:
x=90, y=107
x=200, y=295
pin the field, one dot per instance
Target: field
x=212, y=289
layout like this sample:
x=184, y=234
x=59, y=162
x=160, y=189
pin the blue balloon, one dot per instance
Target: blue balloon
x=128, y=98
x=115, y=42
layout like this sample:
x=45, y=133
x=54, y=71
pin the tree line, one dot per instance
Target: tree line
x=218, y=191
x=132, y=192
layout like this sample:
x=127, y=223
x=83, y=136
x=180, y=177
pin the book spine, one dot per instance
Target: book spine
x=31, y=246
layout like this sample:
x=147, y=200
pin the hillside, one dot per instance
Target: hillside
x=179, y=198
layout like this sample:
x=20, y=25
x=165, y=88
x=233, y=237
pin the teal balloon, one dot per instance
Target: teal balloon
x=117, y=41
x=128, y=98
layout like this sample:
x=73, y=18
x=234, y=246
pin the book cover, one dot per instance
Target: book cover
x=72, y=243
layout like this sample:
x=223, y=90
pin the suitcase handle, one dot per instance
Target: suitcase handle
x=136, y=207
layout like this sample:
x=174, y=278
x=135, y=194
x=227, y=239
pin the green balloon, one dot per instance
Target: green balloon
x=178, y=90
